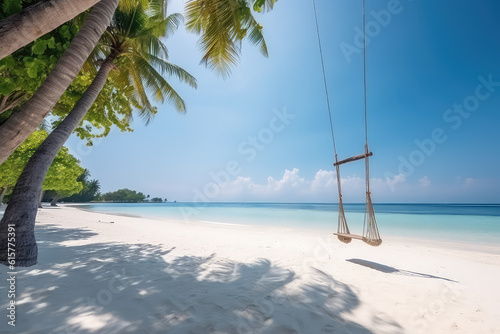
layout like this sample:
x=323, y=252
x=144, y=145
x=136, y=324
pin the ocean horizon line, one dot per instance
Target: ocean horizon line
x=319, y=203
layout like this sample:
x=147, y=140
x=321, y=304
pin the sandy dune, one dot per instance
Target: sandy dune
x=145, y=276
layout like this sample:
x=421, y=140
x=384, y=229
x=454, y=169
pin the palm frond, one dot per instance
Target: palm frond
x=172, y=70
x=256, y=38
x=155, y=84
x=134, y=39
x=157, y=9
x=222, y=26
x=131, y=5
x=165, y=27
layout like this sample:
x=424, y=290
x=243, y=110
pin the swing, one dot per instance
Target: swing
x=371, y=234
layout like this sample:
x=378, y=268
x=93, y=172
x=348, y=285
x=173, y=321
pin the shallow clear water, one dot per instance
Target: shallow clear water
x=473, y=223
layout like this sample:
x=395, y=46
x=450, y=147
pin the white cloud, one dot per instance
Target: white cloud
x=290, y=182
x=292, y=187
x=324, y=179
x=397, y=179
x=424, y=181
x=322, y=187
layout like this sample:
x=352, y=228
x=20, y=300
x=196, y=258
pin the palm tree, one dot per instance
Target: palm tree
x=223, y=25
x=37, y=20
x=22, y=123
x=135, y=57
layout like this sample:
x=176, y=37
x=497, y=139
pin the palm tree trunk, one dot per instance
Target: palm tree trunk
x=54, y=200
x=40, y=199
x=2, y=194
x=35, y=21
x=21, y=124
x=22, y=208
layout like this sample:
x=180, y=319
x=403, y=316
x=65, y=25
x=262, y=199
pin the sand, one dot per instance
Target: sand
x=138, y=275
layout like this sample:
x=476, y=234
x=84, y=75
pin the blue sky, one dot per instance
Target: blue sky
x=433, y=80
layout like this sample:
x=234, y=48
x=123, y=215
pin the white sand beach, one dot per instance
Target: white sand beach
x=146, y=276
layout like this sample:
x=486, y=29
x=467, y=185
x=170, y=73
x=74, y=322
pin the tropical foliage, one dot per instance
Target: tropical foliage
x=113, y=108
x=61, y=177
x=90, y=191
x=22, y=123
x=63, y=174
x=23, y=72
x=10, y=7
x=134, y=39
x=124, y=195
x=222, y=26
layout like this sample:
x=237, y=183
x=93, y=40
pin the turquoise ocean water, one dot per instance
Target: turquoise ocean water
x=471, y=223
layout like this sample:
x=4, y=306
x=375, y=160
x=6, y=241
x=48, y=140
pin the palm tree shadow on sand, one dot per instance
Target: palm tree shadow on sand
x=391, y=270
x=81, y=287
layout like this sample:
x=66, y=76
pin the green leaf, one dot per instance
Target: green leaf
x=65, y=32
x=74, y=29
x=27, y=60
x=39, y=47
x=7, y=62
x=32, y=71
x=12, y=6
x=51, y=43
x=7, y=87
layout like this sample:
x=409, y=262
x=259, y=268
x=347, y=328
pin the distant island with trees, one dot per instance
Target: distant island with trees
x=90, y=193
x=66, y=181
x=129, y=196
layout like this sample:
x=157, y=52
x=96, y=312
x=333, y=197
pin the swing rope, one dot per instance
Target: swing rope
x=364, y=75
x=324, y=79
x=370, y=230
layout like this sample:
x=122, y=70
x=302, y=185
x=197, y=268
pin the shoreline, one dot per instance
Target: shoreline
x=142, y=275
x=394, y=239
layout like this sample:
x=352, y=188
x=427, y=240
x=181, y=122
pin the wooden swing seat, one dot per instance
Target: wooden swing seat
x=348, y=235
x=347, y=238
